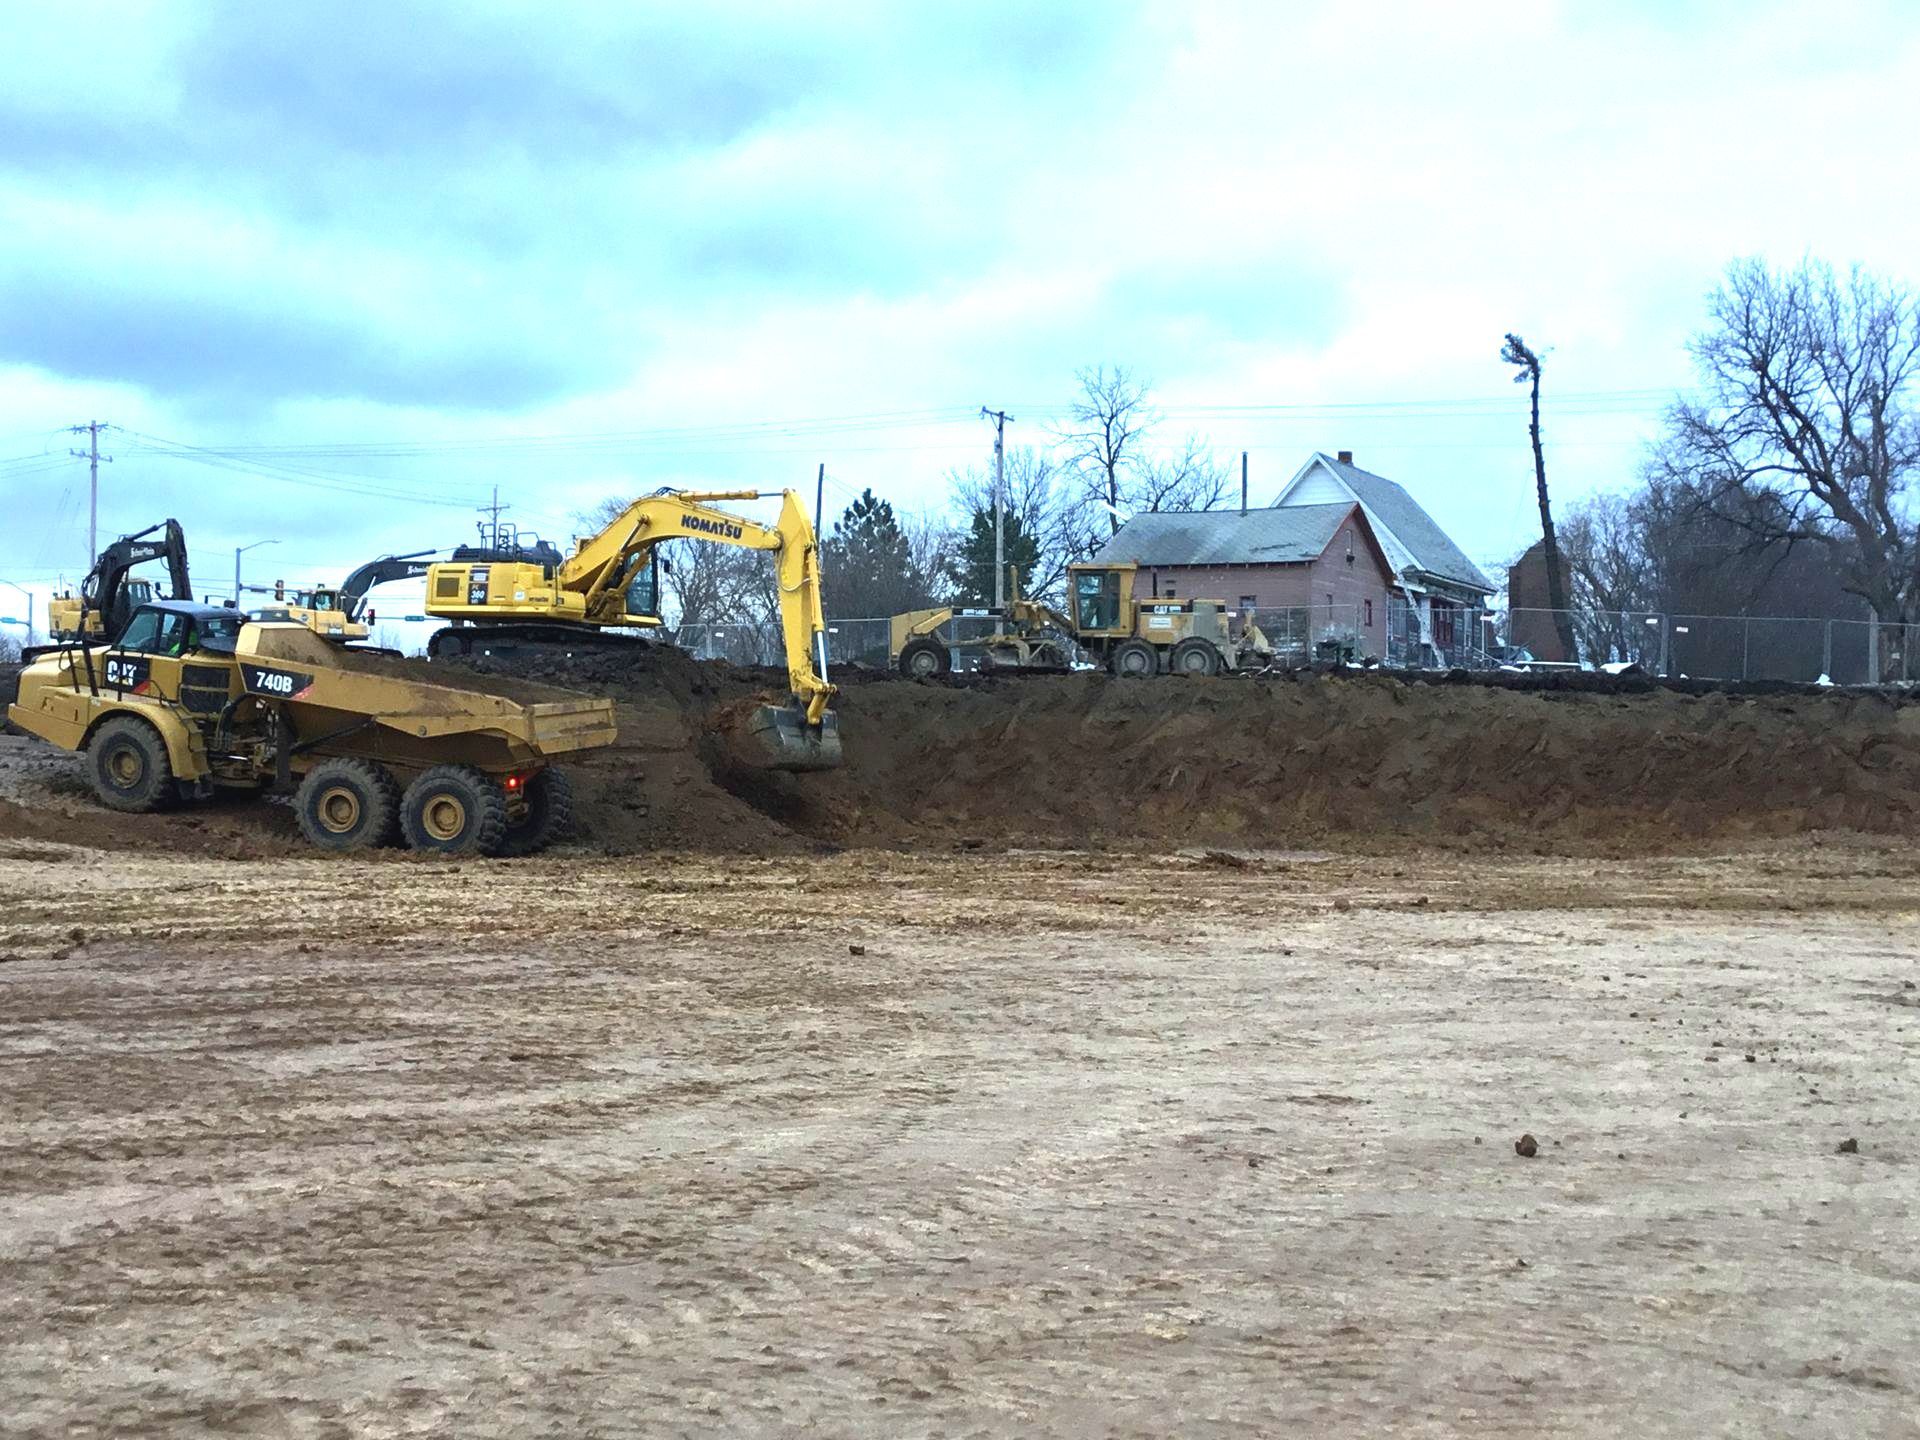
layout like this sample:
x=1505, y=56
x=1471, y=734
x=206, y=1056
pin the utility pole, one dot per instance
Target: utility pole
x=93, y=457
x=493, y=510
x=1000, y=419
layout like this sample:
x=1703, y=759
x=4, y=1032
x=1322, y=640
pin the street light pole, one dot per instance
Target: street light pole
x=238, y=551
x=29, y=594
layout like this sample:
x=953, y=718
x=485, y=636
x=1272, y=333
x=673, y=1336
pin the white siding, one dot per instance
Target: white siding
x=1317, y=487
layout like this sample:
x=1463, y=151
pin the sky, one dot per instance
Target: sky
x=333, y=273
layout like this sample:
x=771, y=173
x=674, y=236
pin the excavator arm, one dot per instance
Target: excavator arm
x=353, y=590
x=605, y=564
x=103, y=591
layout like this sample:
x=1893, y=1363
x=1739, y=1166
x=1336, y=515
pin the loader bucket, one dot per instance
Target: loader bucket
x=777, y=737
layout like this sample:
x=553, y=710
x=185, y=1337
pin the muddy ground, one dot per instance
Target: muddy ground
x=1081, y=1058
x=963, y=1143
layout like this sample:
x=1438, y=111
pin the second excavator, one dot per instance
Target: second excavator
x=513, y=600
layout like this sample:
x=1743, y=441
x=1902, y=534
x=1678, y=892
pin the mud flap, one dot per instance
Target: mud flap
x=777, y=737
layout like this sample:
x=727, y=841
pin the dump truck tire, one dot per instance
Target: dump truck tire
x=549, y=814
x=454, y=810
x=130, y=768
x=347, y=805
x=1133, y=659
x=1196, y=655
x=923, y=658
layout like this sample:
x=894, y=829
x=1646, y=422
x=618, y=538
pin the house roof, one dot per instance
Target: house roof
x=1289, y=536
x=1409, y=535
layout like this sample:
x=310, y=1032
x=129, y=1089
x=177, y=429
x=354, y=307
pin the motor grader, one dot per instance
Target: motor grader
x=192, y=699
x=1132, y=638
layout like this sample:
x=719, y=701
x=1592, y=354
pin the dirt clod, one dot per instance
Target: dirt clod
x=856, y=949
x=1848, y=1146
x=1526, y=1147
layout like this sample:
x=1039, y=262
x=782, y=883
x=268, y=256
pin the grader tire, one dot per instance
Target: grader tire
x=454, y=810
x=549, y=815
x=924, y=657
x=1134, y=659
x=1196, y=655
x=347, y=805
x=131, y=771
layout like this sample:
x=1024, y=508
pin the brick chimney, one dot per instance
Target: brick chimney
x=1345, y=457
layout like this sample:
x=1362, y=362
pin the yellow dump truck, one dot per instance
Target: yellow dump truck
x=193, y=698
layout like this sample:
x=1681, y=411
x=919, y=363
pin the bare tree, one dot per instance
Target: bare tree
x=1191, y=478
x=1604, y=542
x=703, y=583
x=1806, y=433
x=1045, y=506
x=1517, y=352
x=1109, y=423
x=931, y=546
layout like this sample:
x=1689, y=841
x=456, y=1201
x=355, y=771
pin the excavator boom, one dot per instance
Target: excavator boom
x=609, y=581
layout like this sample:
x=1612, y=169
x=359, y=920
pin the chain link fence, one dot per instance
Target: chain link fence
x=1700, y=647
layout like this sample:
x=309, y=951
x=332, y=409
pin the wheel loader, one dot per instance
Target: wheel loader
x=530, y=598
x=1132, y=638
x=192, y=699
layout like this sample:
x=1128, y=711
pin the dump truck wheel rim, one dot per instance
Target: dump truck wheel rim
x=444, y=817
x=125, y=766
x=339, y=810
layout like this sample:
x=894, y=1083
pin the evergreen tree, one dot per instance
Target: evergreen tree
x=867, y=563
x=972, y=571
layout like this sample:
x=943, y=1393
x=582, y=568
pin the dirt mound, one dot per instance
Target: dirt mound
x=1580, y=764
x=1597, y=765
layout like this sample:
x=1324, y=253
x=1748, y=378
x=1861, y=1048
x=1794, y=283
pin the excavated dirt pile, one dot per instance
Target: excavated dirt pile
x=1082, y=759
x=1583, y=764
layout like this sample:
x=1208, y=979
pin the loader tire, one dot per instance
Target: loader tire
x=131, y=771
x=1133, y=659
x=347, y=805
x=1196, y=655
x=549, y=815
x=454, y=810
x=924, y=657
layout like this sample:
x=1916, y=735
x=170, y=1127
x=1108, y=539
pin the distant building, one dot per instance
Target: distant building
x=1440, y=596
x=1322, y=565
x=1529, y=616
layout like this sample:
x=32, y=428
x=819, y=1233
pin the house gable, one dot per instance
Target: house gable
x=1418, y=549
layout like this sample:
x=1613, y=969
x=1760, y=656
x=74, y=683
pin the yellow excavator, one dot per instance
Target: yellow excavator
x=505, y=600
x=111, y=592
x=342, y=613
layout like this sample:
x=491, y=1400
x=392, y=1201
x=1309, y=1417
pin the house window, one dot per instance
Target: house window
x=1369, y=612
x=1249, y=602
x=1170, y=593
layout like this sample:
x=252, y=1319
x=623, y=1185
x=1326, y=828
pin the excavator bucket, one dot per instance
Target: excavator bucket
x=777, y=737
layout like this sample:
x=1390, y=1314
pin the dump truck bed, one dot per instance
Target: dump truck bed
x=418, y=708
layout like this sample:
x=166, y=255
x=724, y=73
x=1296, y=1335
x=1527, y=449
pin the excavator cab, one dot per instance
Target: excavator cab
x=643, y=591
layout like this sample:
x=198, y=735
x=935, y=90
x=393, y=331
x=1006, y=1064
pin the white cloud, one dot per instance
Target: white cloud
x=250, y=225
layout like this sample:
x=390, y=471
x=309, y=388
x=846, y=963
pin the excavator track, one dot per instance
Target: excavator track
x=458, y=641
